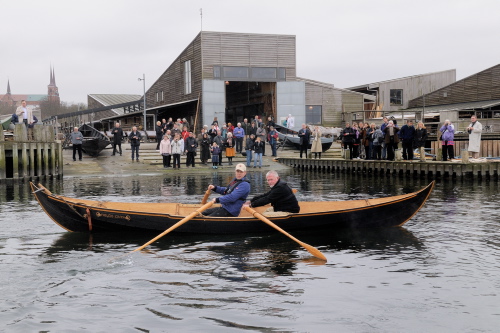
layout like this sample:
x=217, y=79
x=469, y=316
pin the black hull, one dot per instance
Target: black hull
x=94, y=141
x=72, y=216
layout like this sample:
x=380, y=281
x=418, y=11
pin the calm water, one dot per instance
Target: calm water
x=440, y=273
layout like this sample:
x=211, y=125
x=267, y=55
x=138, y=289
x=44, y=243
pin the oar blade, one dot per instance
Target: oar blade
x=311, y=249
x=314, y=251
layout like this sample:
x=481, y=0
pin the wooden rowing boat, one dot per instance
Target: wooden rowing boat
x=75, y=214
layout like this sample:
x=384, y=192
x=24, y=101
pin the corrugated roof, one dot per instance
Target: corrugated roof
x=331, y=86
x=112, y=99
x=459, y=106
x=376, y=84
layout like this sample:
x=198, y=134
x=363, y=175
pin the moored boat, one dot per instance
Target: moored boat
x=93, y=140
x=294, y=140
x=81, y=215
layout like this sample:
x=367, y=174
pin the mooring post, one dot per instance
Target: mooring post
x=465, y=156
x=422, y=154
x=347, y=154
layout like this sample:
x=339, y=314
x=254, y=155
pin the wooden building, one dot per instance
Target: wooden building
x=478, y=94
x=393, y=95
x=232, y=76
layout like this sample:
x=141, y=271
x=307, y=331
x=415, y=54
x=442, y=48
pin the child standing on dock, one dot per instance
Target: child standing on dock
x=215, y=155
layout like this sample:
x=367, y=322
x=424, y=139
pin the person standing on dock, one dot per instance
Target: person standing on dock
x=177, y=149
x=382, y=128
x=316, y=146
x=159, y=134
x=24, y=113
x=407, y=135
x=348, y=136
x=190, y=146
x=305, y=136
x=249, y=148
x=135, y=141
x=420, y=135
x=290, y=122
x=77, y=140
x=378, y=138
x=391, y=139
x=272, y=138
x=117, y=138
x=447, y=137
x=262, y=134
x=239, y=135
x=475, y=129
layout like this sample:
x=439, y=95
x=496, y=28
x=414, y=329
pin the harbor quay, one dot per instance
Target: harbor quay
x=44, y=158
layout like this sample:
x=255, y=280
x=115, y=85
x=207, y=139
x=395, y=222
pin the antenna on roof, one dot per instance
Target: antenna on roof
x=201, y=18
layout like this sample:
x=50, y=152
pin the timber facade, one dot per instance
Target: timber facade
x=232, y=76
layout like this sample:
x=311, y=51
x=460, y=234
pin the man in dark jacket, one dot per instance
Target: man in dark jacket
x=281, y=196
x=190, y=146
x=348, y=136
x=135, y=141
x=304, y=135
x=117, y=139
x=407, y=135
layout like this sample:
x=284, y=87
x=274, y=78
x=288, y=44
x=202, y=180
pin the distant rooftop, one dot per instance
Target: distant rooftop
x=376, y=84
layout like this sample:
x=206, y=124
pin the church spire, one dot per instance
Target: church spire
x=8, y=87
x=53, y=76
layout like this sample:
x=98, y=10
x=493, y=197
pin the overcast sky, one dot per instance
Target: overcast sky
x=102, y=47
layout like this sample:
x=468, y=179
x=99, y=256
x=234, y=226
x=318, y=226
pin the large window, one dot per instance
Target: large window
x=187, y=77
x=313, y=114
x=235, y=73
x=396, y=96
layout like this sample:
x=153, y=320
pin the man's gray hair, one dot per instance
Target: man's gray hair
x=272, y=173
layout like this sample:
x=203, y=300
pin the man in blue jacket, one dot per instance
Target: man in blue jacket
x=239, y=134
x=233, y=196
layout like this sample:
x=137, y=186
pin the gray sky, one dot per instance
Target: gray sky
x=102, y=47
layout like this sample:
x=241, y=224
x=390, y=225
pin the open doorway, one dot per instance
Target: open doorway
x=246, y=99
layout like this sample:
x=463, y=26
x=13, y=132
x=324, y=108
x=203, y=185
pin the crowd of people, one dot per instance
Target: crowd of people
x=372, y=142
x=177, y=138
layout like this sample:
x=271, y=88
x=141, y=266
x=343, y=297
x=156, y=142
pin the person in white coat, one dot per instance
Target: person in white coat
x=475, y=129
x=290, y=122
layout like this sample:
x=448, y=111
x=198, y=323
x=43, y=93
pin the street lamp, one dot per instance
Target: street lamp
x=144, y=89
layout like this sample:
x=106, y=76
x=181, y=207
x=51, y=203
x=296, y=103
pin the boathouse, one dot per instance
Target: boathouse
x=232, y=76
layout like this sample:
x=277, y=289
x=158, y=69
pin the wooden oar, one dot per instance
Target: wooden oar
x=178, y=224
x=205, y=197
x=312, y=250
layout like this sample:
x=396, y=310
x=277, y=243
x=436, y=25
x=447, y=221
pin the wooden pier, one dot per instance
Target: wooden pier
x=30, y=155
x=418, y=169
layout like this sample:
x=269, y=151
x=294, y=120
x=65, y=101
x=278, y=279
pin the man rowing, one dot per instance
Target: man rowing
x=233, y=196
x=281, y=196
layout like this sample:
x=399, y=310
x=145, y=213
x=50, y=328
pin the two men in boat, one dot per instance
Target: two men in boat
x=281, y=196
